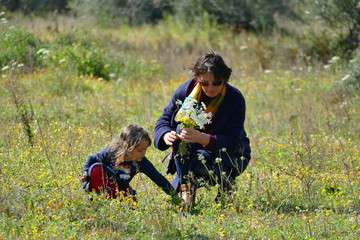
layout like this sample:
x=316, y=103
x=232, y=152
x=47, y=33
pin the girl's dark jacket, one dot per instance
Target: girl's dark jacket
x=104, y=159
x=228, y=126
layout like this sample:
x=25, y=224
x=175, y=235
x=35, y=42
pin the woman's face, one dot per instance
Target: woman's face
x=138, y=153
x=206, y=81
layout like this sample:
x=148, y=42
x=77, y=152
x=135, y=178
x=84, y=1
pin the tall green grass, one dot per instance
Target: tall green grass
x=303, y=179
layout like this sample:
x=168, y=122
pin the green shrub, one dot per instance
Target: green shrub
x=241, y=14
x=89, y=60
x=17, y=46
x=29, y=6
x=114, y=12
x=353, y=78
x=344, y=18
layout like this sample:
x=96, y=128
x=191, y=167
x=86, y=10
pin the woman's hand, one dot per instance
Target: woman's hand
x=170, y=138
x=190, y=135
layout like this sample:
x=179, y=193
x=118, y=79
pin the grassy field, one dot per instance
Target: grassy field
x=67, y=88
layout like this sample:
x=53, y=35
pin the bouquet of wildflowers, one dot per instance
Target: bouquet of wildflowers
x=191, y=115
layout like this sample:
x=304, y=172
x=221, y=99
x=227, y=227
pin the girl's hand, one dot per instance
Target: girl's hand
x=170, y=138
x=190, y=135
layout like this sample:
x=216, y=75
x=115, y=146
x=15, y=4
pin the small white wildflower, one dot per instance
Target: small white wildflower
x=243, y=47
x=203, y=105
x=334, y=59
x=5, y=68
x=267, y=71
x=178, y=102
x=346, y=77
x=211, y=172
x=326, y=66
x=112, y=75
x=223, y=149
x=20, y=65
x=43, y=51
x=218, y=160
x=40, y=51
x=62, y=60
x=223, y=173
x=100, y=79
x=2, y=13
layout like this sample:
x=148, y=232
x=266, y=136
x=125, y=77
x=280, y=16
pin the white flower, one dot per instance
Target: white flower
x=243, y=47
x=5, y=68
x=178, y=102
x=218, y=160
x=191, y=109
x=346, y=77
x=334, y=59
x=203, y=105
x=43, y=51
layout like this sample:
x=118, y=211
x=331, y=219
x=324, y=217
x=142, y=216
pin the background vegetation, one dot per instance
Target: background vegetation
x=71, y=77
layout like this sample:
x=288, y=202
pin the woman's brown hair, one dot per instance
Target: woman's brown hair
x=212, y=62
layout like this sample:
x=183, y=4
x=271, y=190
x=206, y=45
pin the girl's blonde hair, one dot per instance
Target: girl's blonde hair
x=129, y=137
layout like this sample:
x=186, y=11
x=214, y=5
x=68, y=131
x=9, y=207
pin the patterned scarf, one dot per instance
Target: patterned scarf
x=214, y=105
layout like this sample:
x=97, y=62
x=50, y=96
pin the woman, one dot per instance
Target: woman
x=219, y=152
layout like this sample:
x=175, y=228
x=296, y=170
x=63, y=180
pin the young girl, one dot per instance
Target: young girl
x=112, y=169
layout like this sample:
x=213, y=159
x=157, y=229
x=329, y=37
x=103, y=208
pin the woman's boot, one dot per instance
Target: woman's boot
x=185, y=193
x=193, y=189
x=188, y=193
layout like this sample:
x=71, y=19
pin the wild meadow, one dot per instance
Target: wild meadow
x=68, y=87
